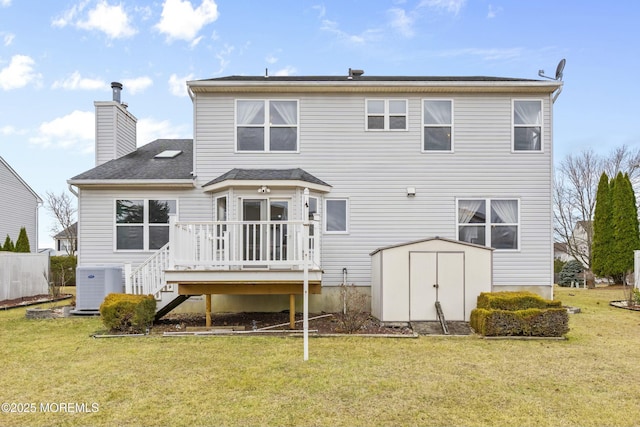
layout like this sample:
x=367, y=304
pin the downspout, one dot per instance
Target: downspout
x=74, y=192
x=192, y=95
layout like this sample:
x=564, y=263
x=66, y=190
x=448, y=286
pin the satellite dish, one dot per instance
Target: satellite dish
x=559, y=70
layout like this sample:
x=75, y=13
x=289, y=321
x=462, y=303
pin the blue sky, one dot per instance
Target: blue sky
x=57, y=57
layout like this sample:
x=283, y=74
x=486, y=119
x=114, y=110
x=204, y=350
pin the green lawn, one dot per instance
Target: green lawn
x=591, y=379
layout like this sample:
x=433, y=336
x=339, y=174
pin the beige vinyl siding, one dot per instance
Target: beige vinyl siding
x=20, y=208
x=373, y=169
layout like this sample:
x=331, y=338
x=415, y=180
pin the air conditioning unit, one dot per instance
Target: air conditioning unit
x=93, y=283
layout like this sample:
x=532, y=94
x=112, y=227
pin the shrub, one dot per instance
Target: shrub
x=22, y=244
x=511, y=301
x=63, y=270
x=534, y=322
x=355, y=313
x=128, y=313
x=570, y=273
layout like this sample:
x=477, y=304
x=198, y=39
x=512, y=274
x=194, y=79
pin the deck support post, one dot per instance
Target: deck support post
x=292, y=311
x=208, y=310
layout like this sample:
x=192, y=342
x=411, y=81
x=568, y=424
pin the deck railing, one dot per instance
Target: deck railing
x=224, y=245
x=242, y=244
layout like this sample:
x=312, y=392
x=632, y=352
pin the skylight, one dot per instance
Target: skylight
x=168, y=154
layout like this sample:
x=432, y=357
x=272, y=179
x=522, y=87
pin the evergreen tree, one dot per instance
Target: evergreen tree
x=602, y=229
x=8, y=244
x=626, y=236
x=22, y=244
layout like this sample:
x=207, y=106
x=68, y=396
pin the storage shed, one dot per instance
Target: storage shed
x=408, y=279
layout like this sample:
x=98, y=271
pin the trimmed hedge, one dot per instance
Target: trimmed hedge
x=532, y=322
x=514, y=301
x=128, y=313
x=518, y=314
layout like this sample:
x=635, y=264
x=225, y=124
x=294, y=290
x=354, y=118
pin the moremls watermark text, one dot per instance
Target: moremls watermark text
x=49, y=407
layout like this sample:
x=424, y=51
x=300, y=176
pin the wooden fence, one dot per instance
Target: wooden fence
x=23, y=275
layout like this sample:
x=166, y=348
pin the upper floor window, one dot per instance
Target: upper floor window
x=143, y=224
x=267, y=125
x=437, y=121
x=386, y=114
x=527, y=125
x=489, y=222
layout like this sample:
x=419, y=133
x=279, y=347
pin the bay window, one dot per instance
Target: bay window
x=267, y=125
x=489, y=222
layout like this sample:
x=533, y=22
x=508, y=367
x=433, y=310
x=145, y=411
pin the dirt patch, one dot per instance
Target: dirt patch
x=248, y=321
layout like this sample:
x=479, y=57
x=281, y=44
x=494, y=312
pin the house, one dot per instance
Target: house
x=325, y=169
x=24, y=207
x=66, y=241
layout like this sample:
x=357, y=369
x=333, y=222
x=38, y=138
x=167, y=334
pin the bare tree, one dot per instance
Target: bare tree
x=62, y=208
x=574, y=196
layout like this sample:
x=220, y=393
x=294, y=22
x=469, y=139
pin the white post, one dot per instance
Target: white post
x=636, y=268
x=128, y=286
x=173, y=244
x=305, y=269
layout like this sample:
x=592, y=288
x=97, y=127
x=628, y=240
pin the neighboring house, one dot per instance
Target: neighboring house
x=21, y=205
x=560, y=252
x=66, y=241
x=385, y=161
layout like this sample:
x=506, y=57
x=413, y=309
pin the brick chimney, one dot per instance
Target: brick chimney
x=115, y=128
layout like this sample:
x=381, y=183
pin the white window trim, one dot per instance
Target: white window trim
x=488, y=224
x=265, y=126
x=326, y=215
x=423, y=125
x=145, y=224
x=513, y=126
x=215, y=206
x=386, y=115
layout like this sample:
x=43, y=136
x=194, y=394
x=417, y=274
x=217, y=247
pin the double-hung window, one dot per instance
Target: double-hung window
x=437, y=122
x=142, y=225
x=267, y=125
x=386, y=114
x=489, y=222
x=527, y=125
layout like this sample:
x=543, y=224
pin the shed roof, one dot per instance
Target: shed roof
x=444, y=239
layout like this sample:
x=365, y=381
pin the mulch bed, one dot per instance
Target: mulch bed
x=255, y=320
x=27, y=301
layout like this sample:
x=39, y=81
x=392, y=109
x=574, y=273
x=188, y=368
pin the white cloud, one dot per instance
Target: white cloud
x=355, y=39
x=18, y=73
x=178, y=85
x=286, y=71
x=5, y=3
x=75, y=130
x=7, y=38
x=180, y=21
x=271, y=59
x=150, y=129
x=76, y=82
x=111, y=20
x=322, y=11
x=223, y=58
x=10, y=130
x=137, y=85
x=452, y=6
x=402, y=22
x=493, y=11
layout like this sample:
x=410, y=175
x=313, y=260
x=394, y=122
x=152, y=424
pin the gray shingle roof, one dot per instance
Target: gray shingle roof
x=267, y=175
x=141, y=164
x=370, y=79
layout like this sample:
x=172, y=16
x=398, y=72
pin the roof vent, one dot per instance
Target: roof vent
x=116, y=88
x=355, y=73
x=168, y=154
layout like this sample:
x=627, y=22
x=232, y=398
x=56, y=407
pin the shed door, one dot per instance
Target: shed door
x=446, y=269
